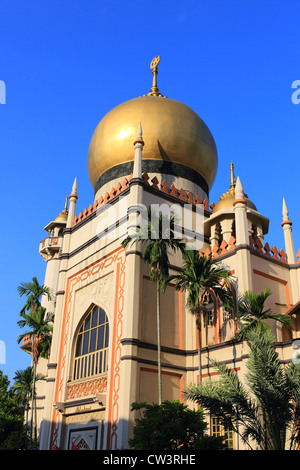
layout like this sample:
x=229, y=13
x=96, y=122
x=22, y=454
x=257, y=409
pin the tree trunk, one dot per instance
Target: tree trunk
x=198, y=322
x=32, y=401
x=26, y=420
x=158, y=343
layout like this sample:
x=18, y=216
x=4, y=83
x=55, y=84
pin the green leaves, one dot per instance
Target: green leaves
x=268, y=410
x=169, y=426
x=157, y=233
x=252, y=314
x=34, y=292
x=11, y=416
x=40, y=330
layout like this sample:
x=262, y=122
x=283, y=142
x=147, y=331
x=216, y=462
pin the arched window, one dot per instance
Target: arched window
x=91, y=346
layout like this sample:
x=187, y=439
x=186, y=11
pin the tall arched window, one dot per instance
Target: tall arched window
x=91, y=347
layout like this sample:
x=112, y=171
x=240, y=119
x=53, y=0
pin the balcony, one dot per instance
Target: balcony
x=26, y=344
x=50, y=246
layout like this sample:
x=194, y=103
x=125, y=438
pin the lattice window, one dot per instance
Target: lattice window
x=91, y=350
x=208, y=318
x=84, y=438
x=218, y=429
x=208, y=313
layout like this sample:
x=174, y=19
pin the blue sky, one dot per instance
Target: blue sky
x=66, y=64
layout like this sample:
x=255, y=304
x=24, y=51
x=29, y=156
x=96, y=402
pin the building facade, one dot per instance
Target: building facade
x=151, y=150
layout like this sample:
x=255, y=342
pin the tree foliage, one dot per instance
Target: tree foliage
x=253, y=314
x=264, y=412
x=40, y=328
x=199, y=275
x=33, y=291
x=170, y=426
x=11, y=417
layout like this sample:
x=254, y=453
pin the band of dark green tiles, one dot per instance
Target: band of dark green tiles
x=153, y=166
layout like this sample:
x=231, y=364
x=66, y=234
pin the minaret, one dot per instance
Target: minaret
x=288, y=237
x=72, y=204
x=243, y=265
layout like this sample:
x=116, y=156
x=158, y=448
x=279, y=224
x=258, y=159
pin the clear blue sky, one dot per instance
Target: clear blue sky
x=66, y=63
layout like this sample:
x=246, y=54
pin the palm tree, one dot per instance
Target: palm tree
x=158, y=234
x=34, y=292
x=252, y=313
x=265, y=412
x=22, y=389
x=40, y=324
x=200, y=275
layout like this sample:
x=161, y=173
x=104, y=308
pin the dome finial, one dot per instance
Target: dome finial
x=232, y=177
x=66, y=205
x=153, y=66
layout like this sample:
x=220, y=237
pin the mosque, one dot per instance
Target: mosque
x=148, y=150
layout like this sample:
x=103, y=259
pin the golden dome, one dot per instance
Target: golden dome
x=227, y=199
x=172, y=132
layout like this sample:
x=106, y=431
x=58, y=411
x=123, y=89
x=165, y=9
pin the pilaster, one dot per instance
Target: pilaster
x=130, y=371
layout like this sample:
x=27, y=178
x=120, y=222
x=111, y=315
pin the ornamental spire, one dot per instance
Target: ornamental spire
x=285, y=213
x=232, y=177
x=153, y=66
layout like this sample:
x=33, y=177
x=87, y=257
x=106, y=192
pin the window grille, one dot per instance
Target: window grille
x=91, y=349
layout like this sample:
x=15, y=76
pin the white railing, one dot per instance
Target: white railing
x=91, y=364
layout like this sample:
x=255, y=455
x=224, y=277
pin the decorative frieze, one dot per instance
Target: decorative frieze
x=87, y=388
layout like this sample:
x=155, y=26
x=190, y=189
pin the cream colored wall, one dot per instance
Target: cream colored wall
x=169, y=314
x=148, y=388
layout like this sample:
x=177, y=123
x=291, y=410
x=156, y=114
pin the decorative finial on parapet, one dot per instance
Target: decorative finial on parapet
x=285, y=214
x=138, y=146
x=288, y=237
x=139, y=135
x=73, y=199
x=153, y=66
x=74, y=189
x=239, y=191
